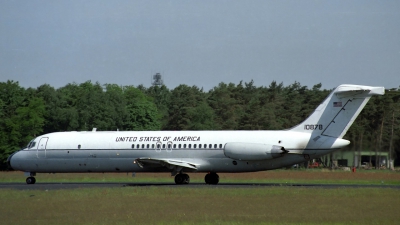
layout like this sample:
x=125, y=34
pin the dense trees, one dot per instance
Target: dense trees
x=21, y=117
x=27, y=113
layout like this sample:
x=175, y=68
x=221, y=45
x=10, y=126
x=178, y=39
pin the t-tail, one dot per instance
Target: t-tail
x=334, y=116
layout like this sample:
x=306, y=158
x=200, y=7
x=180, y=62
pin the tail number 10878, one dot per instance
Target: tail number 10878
x=313, y=127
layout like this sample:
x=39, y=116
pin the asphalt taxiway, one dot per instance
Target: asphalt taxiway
x=57, y=186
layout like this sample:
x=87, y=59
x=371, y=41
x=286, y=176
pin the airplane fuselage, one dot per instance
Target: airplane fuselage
x=118, y=151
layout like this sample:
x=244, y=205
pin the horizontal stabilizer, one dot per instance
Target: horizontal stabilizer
x=347, y=91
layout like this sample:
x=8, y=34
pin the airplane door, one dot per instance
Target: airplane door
x=41, y=148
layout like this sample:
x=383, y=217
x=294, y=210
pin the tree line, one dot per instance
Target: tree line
x=27, y=113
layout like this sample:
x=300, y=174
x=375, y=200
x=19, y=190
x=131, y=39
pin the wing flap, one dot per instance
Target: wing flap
x=175, y=165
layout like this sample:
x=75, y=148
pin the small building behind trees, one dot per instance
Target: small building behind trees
x=362, y=159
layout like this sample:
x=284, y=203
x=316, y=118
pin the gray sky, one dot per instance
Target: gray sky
x=200, y=43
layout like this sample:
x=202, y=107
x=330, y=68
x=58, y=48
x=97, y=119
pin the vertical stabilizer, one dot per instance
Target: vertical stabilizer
x=337, y=112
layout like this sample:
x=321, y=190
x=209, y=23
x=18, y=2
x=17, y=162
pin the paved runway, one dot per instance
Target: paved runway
x=56, y=186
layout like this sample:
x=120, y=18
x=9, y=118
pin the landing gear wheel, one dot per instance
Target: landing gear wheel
x=207, y=178
x=187, y=178
x=182, y=179
x=30, y=180
x=178, y=179
x=211, y=178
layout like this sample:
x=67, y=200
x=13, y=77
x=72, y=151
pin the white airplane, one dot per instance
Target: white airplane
x=180, y=152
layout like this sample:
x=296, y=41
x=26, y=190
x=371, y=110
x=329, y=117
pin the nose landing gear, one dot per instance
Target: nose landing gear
x=30, y=180
x=30, y=177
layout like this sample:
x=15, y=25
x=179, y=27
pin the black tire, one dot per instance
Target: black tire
x=215, y=178
x=186, y=179
x=30, y=180
x=179, y=179
x=207, y=178
x=211, y=178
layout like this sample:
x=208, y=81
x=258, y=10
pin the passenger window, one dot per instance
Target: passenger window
x=158, y=146
x=143, y=146
x=174, y=145
x=179, y=146
x=210, y=146
x=190, y=145
x=215, y=145
x=220, y=145
x=169, y=145
x=152, y=146
x=163, y=146
x=148, y=146
x=133, y=145
x=199, y=145
x=194, y=146
x=184, y=146
x=137, y=146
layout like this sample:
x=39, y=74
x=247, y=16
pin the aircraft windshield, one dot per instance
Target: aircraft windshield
x=31, y=144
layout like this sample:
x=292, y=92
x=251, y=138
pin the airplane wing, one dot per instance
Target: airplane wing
x=175, y=165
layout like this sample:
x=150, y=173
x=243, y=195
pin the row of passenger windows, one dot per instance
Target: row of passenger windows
x=170, y=146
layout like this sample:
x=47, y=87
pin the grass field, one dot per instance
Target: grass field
x=159, y=205
x=206, y=205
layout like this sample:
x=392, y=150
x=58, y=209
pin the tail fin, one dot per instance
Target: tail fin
x=338, y=111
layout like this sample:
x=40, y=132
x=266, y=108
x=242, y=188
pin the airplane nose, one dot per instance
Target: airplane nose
x=9, y=161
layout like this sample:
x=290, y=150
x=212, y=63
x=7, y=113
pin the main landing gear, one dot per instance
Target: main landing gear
x=182, y=178
x=211, y=178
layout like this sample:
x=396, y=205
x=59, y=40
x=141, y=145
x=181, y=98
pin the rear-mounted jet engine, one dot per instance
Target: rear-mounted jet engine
x=253, y=151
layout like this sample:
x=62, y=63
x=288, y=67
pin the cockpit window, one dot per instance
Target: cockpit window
x=31, y=144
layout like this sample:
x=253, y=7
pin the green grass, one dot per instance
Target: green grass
x=207, y=205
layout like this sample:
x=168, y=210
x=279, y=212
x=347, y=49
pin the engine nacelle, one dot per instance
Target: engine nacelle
x=253, y=151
